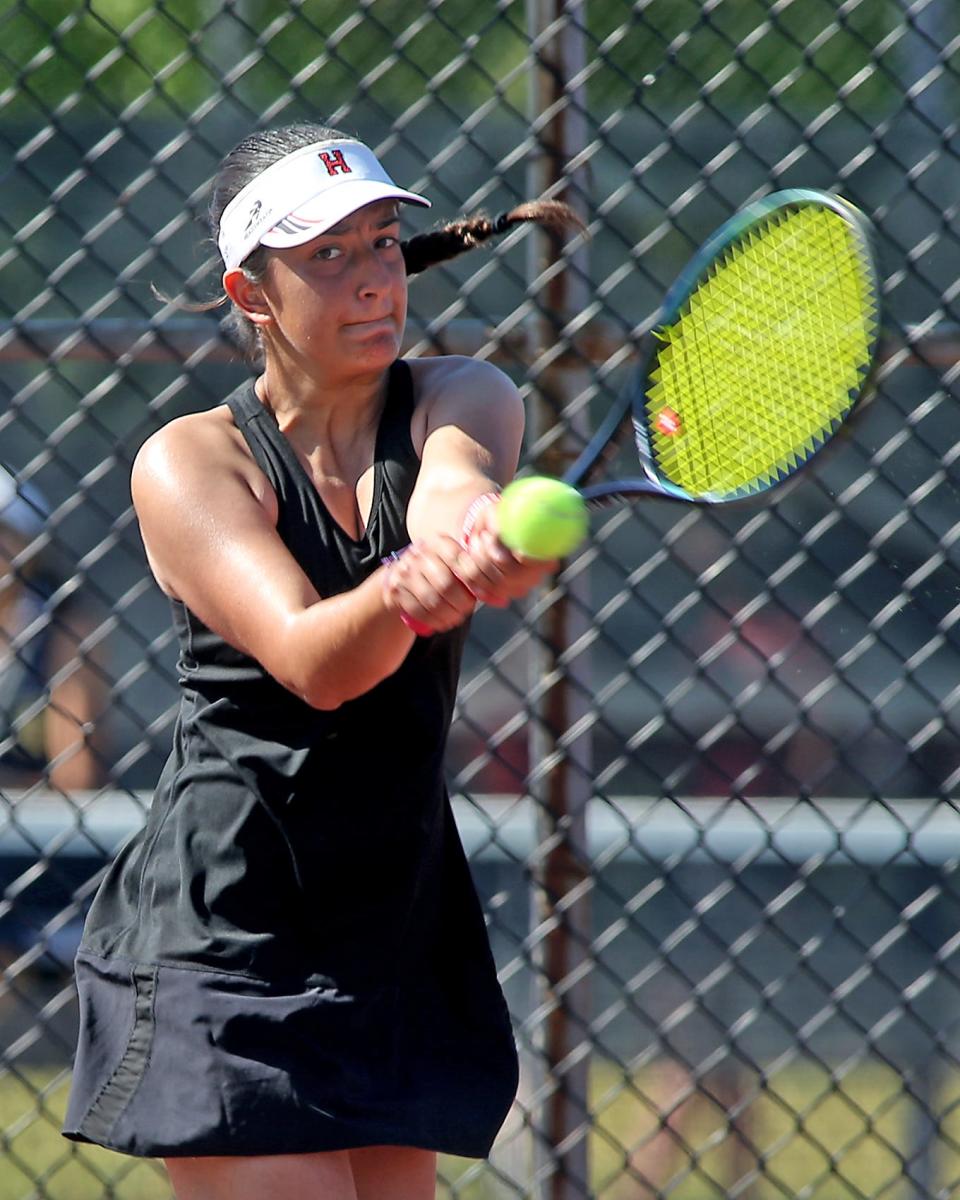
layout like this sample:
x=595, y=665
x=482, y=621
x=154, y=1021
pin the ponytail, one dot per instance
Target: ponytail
x=426, y=250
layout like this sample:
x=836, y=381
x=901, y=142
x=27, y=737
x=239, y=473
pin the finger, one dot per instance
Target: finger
x=481, y=578
x=495, y=550
x=410, y=590
x=433, y=586
x=497, y=567
x=518, y=576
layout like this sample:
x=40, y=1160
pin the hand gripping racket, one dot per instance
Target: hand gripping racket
x=763, y=347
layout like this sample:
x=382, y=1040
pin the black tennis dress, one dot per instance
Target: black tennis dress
x=291, y=956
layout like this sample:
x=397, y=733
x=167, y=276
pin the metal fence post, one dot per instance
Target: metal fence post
x=560, y=779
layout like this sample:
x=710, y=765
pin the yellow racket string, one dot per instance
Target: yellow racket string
x=766, y=356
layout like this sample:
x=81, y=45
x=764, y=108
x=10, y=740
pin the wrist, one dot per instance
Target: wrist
x=472, y=515
x=390, y=601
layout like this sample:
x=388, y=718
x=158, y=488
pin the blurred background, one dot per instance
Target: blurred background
x=708, y=779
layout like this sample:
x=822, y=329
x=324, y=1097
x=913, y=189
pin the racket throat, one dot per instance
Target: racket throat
x=598, y=495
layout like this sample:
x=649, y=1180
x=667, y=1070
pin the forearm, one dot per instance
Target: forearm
x=341, y=647
x=443, y=504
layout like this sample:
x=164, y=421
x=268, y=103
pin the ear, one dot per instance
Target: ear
x=247, y=295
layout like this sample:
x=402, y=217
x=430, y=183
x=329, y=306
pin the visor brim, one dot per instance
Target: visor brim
x=330, y=207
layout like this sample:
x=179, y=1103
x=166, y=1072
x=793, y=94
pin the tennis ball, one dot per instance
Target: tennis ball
x=541, y=518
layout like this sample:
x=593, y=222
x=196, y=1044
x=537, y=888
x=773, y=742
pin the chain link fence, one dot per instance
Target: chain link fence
x=708, y=779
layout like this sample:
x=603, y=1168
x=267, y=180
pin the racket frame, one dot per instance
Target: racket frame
x=632, y=399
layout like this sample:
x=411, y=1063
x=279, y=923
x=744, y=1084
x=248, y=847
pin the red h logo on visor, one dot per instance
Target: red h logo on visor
x=334, y=161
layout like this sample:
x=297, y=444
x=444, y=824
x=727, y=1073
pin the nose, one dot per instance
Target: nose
x=373, y=274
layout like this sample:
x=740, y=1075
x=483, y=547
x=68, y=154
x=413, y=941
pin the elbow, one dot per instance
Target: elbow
x=313, y=688
x=326, y=689
x=320, y=698
x=305, y=676
x=298, y=668
x=339, y=669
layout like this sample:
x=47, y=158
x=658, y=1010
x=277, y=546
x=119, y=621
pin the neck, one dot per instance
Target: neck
x=338, y=406
x=334, y=434
x=334, y=429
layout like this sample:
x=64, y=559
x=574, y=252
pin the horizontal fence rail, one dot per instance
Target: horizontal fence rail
x=595, y=341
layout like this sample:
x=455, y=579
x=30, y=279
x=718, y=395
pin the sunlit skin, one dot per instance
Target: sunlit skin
x=333, y=311
x=368, y=1173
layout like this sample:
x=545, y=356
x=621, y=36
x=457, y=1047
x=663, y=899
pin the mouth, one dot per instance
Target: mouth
x=372, y=325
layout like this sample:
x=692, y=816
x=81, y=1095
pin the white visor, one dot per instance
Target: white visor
x=303, y=195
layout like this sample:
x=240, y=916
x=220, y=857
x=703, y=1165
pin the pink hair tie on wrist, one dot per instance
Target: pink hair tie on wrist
x=474, y=511
x=411, y=623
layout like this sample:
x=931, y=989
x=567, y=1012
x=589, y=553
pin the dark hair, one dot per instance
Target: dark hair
x=263, y=148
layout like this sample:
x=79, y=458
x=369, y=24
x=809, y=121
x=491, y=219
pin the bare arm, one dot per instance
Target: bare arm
x=471, y=422
x=470, y=419
x=208, y=519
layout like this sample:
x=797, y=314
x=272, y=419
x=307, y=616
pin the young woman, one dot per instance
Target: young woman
x=285, y=982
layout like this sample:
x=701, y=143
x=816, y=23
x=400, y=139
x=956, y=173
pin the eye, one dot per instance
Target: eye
x=328, y=253
x=387, y=241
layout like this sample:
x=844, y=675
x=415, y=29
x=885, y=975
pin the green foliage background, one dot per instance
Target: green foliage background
x=175, y=55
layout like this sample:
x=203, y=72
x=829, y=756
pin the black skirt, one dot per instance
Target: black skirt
x=178, y=1061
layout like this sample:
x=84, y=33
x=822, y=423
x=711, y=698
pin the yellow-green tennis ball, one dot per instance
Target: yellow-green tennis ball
x=541, y=518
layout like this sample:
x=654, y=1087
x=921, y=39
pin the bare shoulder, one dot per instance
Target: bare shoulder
x=455, y=390
x=187, y=437
x=195, y=484
x=456, y=374
x=199, y=448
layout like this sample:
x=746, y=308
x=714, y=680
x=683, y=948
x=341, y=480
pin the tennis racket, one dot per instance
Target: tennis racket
x=763, y=347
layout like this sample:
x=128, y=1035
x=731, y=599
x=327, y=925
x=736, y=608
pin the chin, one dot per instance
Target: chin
x=374, y=351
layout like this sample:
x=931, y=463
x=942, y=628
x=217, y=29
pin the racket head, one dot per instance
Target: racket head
x=765, y=343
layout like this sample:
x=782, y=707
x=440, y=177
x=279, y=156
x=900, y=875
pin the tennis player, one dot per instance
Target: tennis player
x=285, y=981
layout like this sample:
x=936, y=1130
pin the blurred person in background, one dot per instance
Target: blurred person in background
x=52, y=694
x=286, y=985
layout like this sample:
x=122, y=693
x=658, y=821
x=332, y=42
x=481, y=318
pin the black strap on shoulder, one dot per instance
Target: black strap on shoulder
x=395, y=437
x=244, y=403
